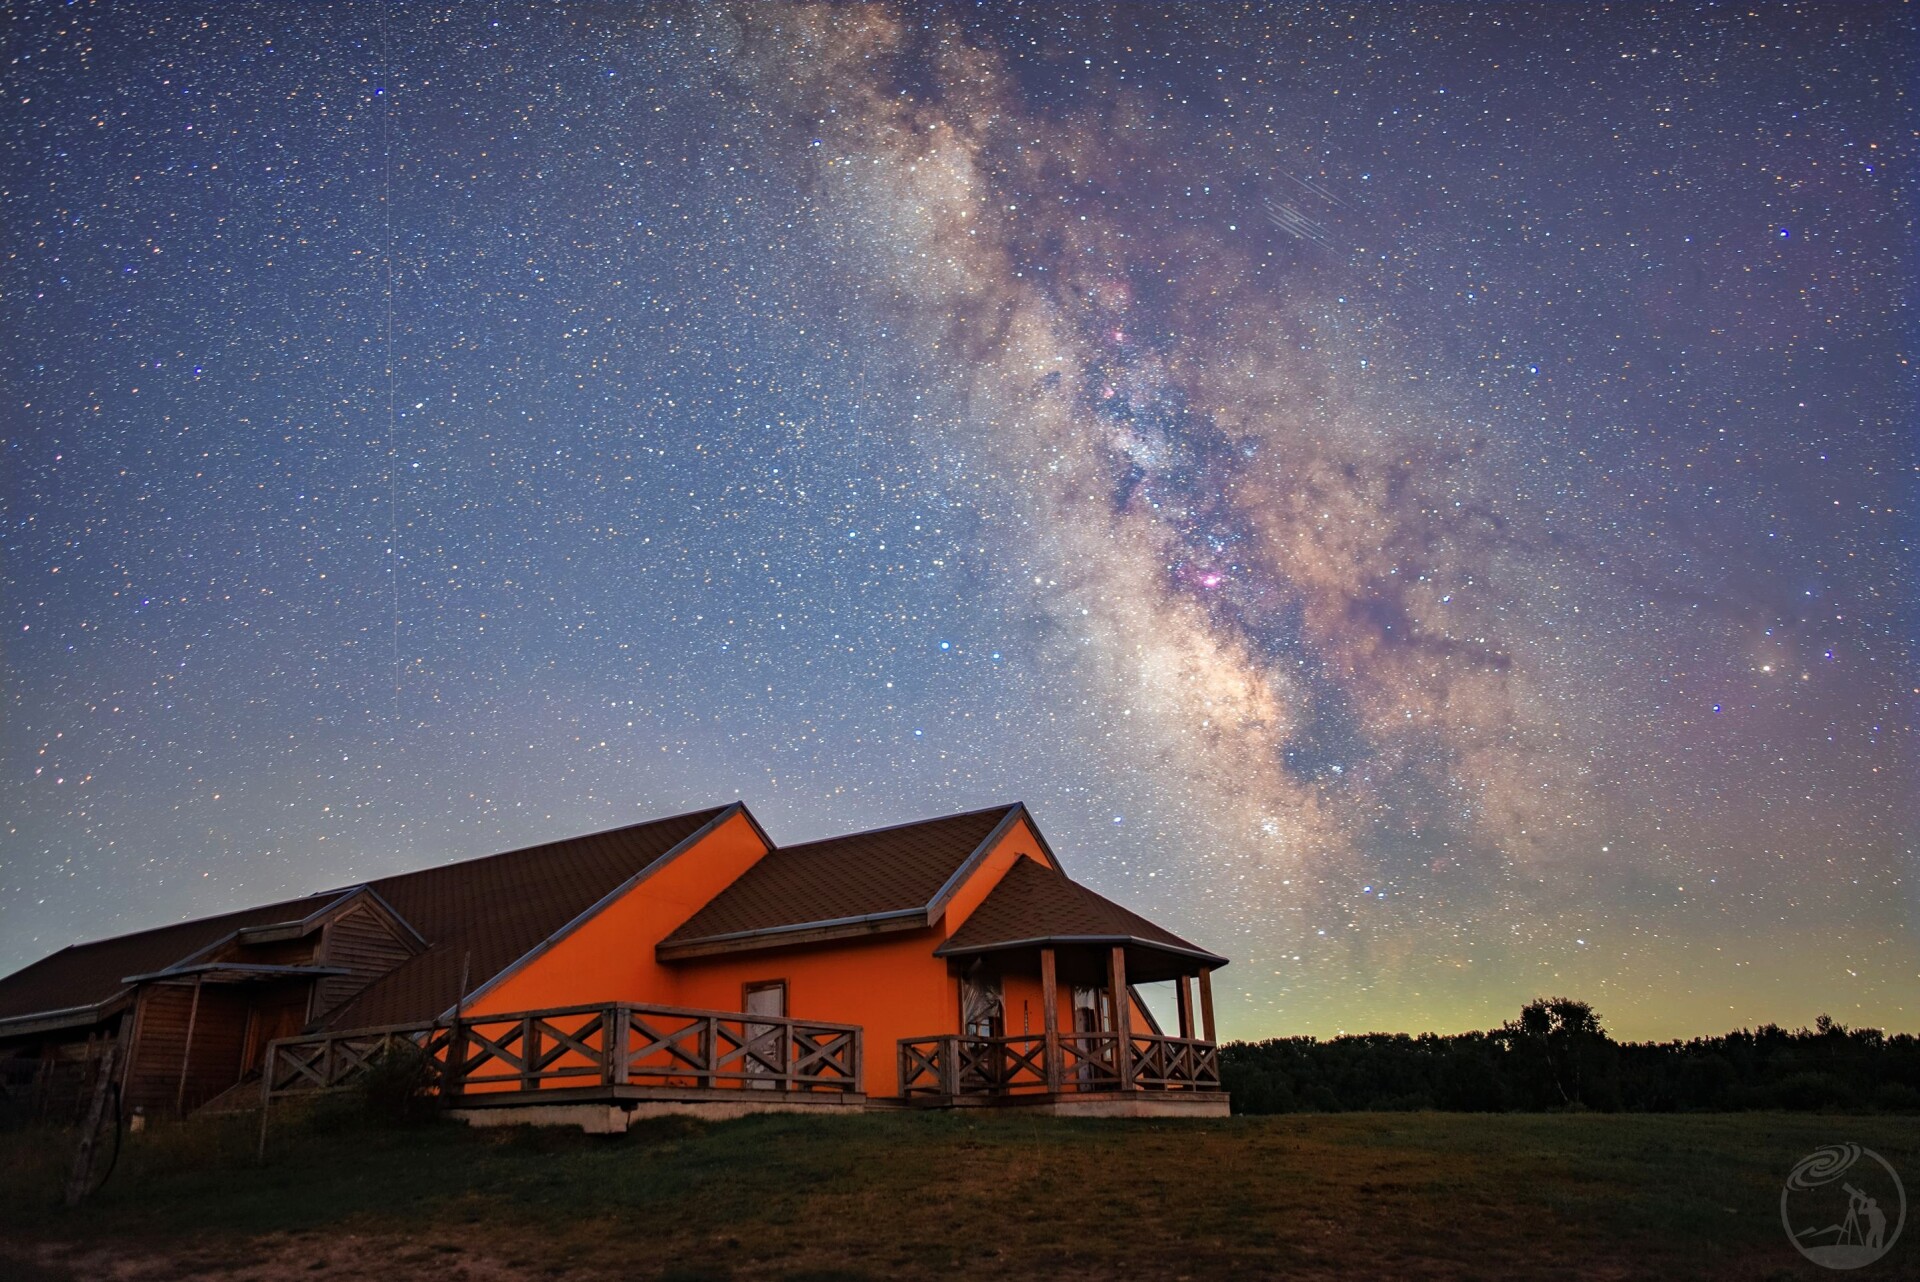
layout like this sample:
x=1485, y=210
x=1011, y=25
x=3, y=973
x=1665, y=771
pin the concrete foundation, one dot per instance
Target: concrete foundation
x=614, y=1117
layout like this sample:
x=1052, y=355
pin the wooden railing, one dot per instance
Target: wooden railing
x=955, y=1066
x=618, y=1044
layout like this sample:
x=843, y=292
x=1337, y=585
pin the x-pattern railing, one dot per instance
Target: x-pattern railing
x=322, y=1063
x=1175, y=1061
x=954, y=1065
x=616, y=1044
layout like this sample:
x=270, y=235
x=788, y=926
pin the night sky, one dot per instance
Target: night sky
x=1419, y=500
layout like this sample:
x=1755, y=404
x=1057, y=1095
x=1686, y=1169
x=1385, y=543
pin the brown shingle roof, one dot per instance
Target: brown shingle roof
x=1034, y=904
x=887, y=870
x=500, y=908
x=84, y=975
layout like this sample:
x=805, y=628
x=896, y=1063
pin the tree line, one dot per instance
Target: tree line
x=1557, y=1055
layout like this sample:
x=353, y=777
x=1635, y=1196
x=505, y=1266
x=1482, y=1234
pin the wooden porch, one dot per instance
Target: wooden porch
x=615, y=1054
x=958, y=1070
x=1103, y=1065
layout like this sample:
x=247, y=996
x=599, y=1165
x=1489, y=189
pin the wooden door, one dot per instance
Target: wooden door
x=274, y=1015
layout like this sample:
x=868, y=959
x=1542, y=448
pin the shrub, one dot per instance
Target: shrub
x=398, y=1086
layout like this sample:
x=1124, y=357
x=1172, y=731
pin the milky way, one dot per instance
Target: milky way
x=1418, y=499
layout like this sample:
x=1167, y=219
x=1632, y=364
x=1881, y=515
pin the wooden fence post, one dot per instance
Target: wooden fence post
x=186, y=1052
x=96, y=1114
x=456, y=1064
x=1050, y=1002
x=1122, y=1016
x=613, y=1036
x=267, y=1070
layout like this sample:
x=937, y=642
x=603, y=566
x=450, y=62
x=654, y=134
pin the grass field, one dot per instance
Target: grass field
x=938, y=1195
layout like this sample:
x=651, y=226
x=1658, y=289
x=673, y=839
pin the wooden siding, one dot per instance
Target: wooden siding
x=361, y=940
x=219, y=1037
x=54, y=1080
x=279, y=1010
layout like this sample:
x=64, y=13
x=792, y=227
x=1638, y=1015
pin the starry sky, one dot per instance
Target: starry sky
x=1418, y=499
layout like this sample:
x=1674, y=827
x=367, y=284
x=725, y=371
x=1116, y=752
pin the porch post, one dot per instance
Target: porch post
x=1122, y=1016
x=1206, y=1004
x=1050, y=1003
x=186, y=1051
x=1186, y=1008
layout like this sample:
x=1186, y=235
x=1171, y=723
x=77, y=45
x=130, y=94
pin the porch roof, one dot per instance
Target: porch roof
x=1034, y=906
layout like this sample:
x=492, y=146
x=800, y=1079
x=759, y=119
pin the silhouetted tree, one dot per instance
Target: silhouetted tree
x=1563, y=1038
x=1556, y=1054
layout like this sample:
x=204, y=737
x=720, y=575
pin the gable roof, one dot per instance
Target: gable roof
x=502, y=908
x=496, y=909
x=83, y=981
x=896, y=878
x=1033, y=905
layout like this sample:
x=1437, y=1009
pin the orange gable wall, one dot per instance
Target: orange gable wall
x=891, y=984
x=609, y=957
x=1017, y=843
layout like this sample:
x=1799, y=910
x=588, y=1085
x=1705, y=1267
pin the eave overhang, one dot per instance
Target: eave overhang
x=806, y=932
x=1199, y=956
x=51, y=1021
x=232, y=973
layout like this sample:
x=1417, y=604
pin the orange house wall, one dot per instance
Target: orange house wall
x=610, y=956
x=1026, y=1010
x=890, y=984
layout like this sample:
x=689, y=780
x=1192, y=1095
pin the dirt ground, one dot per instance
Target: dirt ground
x=780, y=1199
x=273, y=1257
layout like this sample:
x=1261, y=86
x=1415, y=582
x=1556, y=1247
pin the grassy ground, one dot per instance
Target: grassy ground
x=935, y=1195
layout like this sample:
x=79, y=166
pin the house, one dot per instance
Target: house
x=686, y=963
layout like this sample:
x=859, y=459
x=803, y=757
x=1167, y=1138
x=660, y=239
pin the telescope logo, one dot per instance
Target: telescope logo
x=1843, y=1206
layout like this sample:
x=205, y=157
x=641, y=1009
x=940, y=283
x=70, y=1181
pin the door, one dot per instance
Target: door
x=1092, y=1013
x=982, y=1018
x=275, y=1014
x=766, y=1049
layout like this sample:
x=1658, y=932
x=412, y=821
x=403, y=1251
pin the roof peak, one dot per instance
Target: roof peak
x=1004, y=808
x=318, y=898
x=704, y=813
